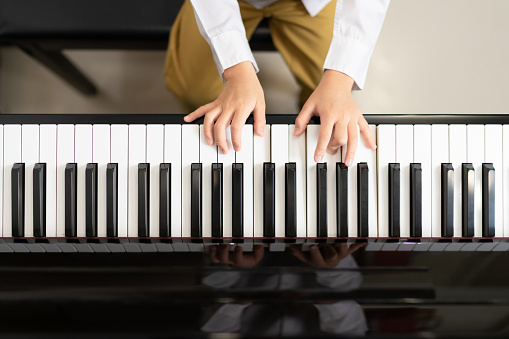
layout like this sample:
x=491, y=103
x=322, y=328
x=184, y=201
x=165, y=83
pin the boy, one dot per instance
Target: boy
x=327, y=45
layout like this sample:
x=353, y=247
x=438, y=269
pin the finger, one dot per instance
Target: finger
x=259, y=119
x=201, y=111
x=339, y=137
x=342, y=250
x=208, y=124
x=224, y=254
x=316, y=256
x=258, y=252
x=355, y=247
x=220, y=131
x=303, y=118
x=299, y=254
x=329, y=253
x=366, y=133
x=351, y=145
x=324, y=136
x=238, y=255
x=213, y=254
x=238, y=122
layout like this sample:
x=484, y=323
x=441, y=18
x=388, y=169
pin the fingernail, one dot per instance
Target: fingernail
x=297, y=130
x=236, y=148
x=349, y=163
x=209, y=141
x=318, y=158
x=260, y=132
x=224, y=151
x=313, y=248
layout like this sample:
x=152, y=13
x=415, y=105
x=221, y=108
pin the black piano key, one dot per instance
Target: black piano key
x=269, y=199
x=39, y=200
x=91, y=199
x=112, y=200
x=467, y=199
x=143, y=199
x=18, y=199
x=165, y=200
x=447, y=200
x=394, y=200
x=238, y=200
x=362, y=199
x=217, y=200
x=321, y=199
x=196, y=194
x=488, y=200
x=342, y=199
x=415, y=200
x=71, y=202
x=291, y=199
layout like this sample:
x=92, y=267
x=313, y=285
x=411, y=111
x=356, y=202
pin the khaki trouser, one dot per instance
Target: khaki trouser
x=302, y=40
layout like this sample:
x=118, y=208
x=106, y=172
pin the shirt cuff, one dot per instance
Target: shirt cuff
x=230, y=49
x=351, y=57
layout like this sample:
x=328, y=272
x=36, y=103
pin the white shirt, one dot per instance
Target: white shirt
x=357, y=24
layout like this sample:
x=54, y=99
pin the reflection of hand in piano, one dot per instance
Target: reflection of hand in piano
x=325, y=256
x=222, y=255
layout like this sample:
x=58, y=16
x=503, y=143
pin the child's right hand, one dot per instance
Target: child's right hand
x=241, y=95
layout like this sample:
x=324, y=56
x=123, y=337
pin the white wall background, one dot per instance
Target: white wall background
x=433, y=56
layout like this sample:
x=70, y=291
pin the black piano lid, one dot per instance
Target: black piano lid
x=271, y=119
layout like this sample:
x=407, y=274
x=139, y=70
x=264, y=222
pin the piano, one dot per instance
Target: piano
x=131, y=226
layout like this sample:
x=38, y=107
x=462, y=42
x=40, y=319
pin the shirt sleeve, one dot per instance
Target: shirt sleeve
x=220, y=24
x=357, y=24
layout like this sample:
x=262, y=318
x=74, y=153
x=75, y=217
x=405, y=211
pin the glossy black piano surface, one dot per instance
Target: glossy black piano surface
x=158, y=295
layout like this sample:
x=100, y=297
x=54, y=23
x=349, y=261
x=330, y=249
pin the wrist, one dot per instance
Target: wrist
x=337, y=79
x=238, y=71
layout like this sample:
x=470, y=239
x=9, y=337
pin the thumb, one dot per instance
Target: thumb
x=259, y=119
x=303, y=118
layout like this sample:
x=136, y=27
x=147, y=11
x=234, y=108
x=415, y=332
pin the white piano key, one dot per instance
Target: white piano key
x=439, y=155
x=48, y=155
x=101, y=156
x=404, y=156
x=1, y=177
x=297, y=154
x=386, y=141
x=83, y=156
x=367, y=155
x=227, y=160
x=261, y=154
x=137, y=155
x=505, y=178
x=12, y=155
x=331, y=160
x=279, y=156
x=493, y=142
x=245, y=156
x=172, y=155
x=29, y=156
x=155, y=156
x=65, y=155
x=208, y=156
x=475, y=155
x=119, y=155
x=422, y=155
x=190, y=155
x=457, y=156
x=311, y=141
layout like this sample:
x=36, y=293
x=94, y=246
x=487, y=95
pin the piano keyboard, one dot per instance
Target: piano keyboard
x=89, y=176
